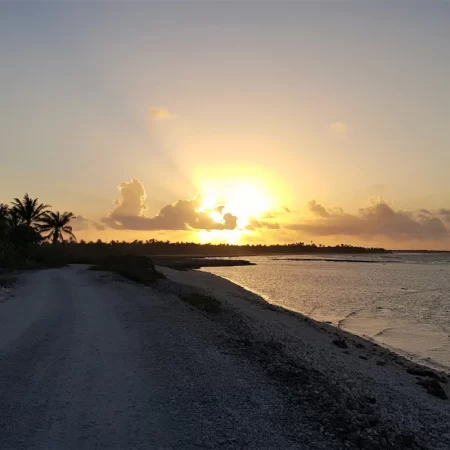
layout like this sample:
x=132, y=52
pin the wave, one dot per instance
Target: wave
x=383, y=331
x=335, y=260
x=353, y=313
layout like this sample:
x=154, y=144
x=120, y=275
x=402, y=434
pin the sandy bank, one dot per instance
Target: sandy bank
x=354, y=389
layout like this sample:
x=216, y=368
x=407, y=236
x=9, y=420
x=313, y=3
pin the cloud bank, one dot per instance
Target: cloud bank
x=377, y=219
x=129, y=213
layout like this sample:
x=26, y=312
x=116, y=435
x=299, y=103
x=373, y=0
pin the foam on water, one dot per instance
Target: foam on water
x=403, y=302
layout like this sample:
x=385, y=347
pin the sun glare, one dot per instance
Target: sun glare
x=220, y=236
x=216, y=216
x=246, y=200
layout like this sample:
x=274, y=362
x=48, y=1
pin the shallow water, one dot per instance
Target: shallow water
x=399, y=300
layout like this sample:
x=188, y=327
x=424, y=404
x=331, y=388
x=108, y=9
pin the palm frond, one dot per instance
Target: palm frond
x=28, y=209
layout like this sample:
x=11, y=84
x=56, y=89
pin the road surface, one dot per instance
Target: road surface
x=90, y=362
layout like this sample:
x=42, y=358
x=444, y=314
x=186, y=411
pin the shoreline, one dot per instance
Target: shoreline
x=336, y=330
x=428, y=363
x=386, y=400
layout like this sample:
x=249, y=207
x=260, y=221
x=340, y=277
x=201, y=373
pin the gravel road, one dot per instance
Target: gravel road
x=88, y=361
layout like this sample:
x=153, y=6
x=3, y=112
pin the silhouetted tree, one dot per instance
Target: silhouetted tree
x=28, y=211
x=23, y=235
x=57, y=225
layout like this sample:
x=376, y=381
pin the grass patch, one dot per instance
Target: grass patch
x=136, y=268
x=204, y=303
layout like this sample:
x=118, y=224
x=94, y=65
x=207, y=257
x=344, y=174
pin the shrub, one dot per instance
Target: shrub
x=136, y=268
x=203, y=302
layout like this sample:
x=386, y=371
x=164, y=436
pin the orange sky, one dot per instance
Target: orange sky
x=239, y=123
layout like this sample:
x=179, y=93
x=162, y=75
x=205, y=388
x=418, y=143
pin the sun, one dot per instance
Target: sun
x=246, y=200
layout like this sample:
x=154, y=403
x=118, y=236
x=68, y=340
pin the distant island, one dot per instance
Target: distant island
x=153, y=247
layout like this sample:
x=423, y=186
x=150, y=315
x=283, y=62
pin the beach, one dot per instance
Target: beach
x=90, y=359
x=398, y=300
x=366, y=394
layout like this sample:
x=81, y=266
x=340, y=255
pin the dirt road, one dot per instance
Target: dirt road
x=90, y=362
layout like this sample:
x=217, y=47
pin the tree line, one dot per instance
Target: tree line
x=157, y=247
x=26, y=223
x=31, y=233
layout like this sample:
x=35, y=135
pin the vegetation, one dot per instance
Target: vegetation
x=136, y=268
x=28, y=211
x=203, y=302
x=25, y=227
x=57, y=225
x=31, y=235
x=165, y=251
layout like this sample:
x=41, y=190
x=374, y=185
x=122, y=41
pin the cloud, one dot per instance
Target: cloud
x=98, y=226
x=317, y=209
x=276, y=213
x=80, y=223
x=129, y=213
x=374, y=220
x=161, y=114
x=340, y=127
x=445, y=214
x=255, y=224
x=131, y=201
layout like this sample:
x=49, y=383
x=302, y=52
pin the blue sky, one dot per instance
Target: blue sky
x=332, y=101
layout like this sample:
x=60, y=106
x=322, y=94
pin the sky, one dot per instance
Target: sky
x=259, y=121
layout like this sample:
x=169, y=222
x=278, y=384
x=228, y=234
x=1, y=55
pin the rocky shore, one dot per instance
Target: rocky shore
x=355, y=391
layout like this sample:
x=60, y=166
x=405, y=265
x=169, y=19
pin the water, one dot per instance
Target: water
x=399, y=300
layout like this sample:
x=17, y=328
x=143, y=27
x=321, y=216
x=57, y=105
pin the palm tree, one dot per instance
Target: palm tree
x=28, y=210
x=56, y=225
x=4, y=220
x=4, y=213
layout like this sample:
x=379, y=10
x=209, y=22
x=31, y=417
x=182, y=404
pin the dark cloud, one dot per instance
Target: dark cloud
x=376, y=219
x=445, y=214
x=424, y=214
x=129, y=213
